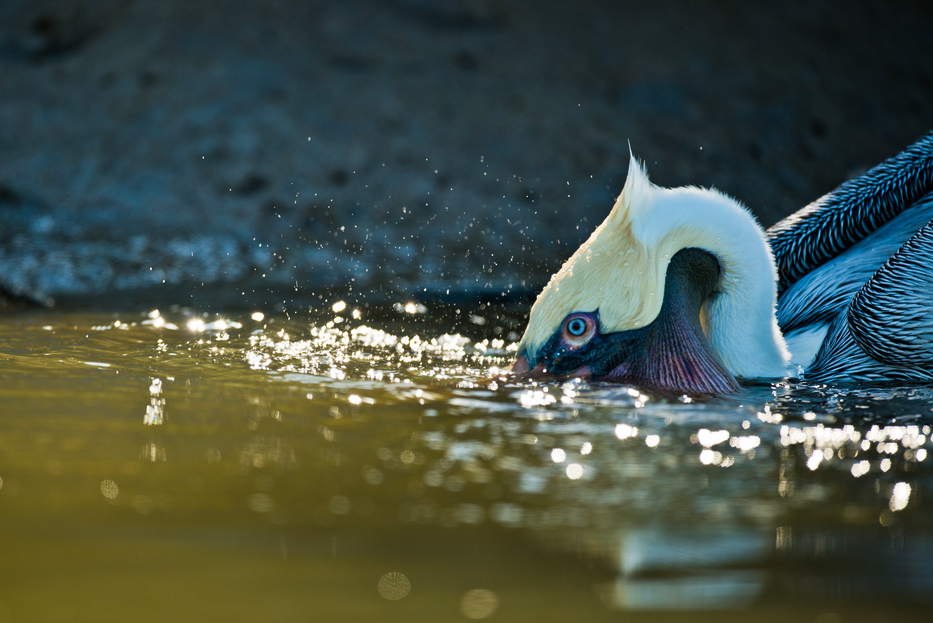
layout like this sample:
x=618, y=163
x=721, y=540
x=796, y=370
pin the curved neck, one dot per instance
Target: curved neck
x=685, y=358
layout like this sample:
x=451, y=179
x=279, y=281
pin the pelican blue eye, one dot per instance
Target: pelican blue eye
x=576, y=327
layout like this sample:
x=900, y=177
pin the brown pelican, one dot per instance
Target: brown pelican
x=681, y=290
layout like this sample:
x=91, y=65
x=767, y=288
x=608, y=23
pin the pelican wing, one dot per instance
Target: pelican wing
x=820, y=295
x=822, y=230
x=891, y=316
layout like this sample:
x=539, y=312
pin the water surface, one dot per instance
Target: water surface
x=373, y=464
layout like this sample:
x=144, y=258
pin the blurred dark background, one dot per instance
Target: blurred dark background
x=402, y=146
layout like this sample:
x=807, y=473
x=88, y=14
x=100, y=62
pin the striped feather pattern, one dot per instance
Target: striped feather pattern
x=891, y=317
x=841, y=359
x=821, y=294
x=821, y=231
x=859, y=261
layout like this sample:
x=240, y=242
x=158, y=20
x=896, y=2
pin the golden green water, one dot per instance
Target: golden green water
x=372, y=464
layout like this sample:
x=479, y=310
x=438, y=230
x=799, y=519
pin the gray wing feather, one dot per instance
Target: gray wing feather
x=891, y=316
x=819, y=296
x=825, y=228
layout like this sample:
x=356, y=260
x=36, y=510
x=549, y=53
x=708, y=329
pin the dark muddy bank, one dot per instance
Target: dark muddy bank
x=397, y=146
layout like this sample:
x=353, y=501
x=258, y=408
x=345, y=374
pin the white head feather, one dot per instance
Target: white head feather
x=620, y=271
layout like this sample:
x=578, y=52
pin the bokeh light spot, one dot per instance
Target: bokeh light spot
x=109, y=489
x=260, y=503
x=394, y=585
x=479, y=603
x=624, y=431
x=339, y=505
x=900, y=496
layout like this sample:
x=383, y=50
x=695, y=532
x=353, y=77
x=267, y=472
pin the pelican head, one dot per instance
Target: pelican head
x=675, y=291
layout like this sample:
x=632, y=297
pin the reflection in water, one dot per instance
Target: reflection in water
x=155, y=411
x=706, y=569
x=345, y=442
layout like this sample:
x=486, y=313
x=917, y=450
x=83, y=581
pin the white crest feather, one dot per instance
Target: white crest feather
x=620, y=271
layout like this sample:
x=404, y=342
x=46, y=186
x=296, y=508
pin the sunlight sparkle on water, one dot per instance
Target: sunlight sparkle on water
x=536, y=398
x=624, y=431
x=709, y=438
x=861, y=468
x=825, y=445
x=640, y=399
x=574, y=471
x=745, y=444
x=767, y=416
x=156, y=320
x=900, y=496
x=292, y=439
x=814, y=461
x=710, y=457
x=336, y=350
x=410, y=308
x=155, y=411
x=349, y=352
